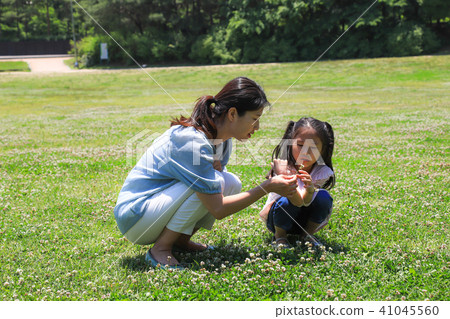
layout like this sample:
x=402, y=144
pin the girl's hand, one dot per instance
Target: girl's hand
x=217, y=165
x=307, y=180
x=279, y=166
x=283, y=185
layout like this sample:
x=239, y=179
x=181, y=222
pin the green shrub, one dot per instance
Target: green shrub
x=411, y=39
x=212, y=48
x=143, y=48
x=88, y=50
x=431, y=42
x=169, y=47
x=274, y=50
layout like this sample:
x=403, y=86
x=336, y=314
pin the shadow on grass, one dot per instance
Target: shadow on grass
x=135, y=263
x=300, y=249
x=234, y=254
x=210, y=259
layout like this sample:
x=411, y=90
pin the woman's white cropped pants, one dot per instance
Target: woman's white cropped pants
x=179, y=209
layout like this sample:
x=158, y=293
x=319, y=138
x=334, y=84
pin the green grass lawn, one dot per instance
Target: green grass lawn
x=63, y=161
x=10, y=66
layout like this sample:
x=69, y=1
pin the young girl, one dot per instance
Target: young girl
x=305, y=150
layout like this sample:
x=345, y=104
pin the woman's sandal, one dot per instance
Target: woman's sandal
x=281, y=242
x=155, y=264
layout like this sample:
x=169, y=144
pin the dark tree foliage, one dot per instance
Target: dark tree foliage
x=232, y=31
x=38, y=19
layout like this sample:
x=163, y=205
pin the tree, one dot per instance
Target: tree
x=236, y=31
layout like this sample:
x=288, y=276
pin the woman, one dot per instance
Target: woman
x=180, y=184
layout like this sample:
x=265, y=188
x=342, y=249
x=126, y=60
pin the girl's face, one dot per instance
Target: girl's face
x=307, y=147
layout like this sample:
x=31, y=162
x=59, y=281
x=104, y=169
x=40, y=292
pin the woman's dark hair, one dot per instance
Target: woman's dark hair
x=325, y=134
x=242, y=93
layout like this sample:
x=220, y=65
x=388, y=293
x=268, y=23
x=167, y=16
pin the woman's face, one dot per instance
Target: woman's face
x=307, y=147
x=244, y=126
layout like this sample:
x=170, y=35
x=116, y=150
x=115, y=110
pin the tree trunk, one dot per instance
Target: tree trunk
x=0, y=23
x=17, y=21
x=48, y=19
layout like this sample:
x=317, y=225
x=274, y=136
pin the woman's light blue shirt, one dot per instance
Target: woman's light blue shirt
x=181, y=154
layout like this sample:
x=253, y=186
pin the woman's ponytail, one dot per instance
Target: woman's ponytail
x=202, y=116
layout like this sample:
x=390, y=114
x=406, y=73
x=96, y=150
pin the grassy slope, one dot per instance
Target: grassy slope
x=63, y=161
x=10, y=66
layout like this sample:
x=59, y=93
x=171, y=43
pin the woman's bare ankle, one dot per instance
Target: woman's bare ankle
x=164, y=256
x=191, y=246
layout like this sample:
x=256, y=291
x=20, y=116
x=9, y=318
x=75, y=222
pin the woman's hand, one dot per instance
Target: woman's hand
x=280, y=166
x=221, y=207
x=283, y=185
x=270, y=172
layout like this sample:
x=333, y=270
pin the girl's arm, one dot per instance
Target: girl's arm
x=264, y=213
x=308, y=192
x=307, y=195
x=221, y=207
x=282, y=167
x=296, y=198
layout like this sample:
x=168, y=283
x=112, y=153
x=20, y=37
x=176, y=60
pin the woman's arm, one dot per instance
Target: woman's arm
x=221, y=207
x=218, y=166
